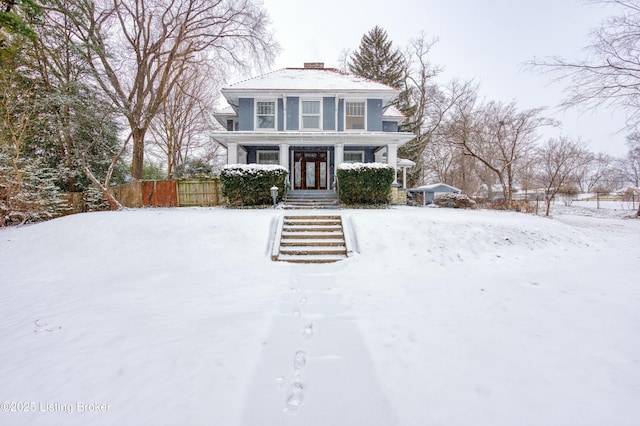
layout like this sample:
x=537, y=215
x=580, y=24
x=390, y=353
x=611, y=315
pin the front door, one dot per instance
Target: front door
x=310, y=170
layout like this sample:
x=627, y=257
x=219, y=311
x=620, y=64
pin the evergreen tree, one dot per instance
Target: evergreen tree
x=378, y=60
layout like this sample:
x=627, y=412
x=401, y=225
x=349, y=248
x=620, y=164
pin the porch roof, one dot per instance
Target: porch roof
x=313, y=138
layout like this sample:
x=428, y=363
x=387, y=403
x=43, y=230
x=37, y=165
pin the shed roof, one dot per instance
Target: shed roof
x=435, y=187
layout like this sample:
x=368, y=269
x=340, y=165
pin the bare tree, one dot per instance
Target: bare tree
x=500, y=137
x=180, y=126
x=610, y=73
x=558, y=160
x=630, y=164
x=138, y=49
x=598, y=173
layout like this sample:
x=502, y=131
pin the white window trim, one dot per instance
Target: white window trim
x=301, y=121
x=258, y=152
x=353, y=152
x=344, y=121
x=255, y=115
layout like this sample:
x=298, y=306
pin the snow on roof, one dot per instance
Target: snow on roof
x=227, y=110
x=392, y=112
x=302, y=79
x=434, y=186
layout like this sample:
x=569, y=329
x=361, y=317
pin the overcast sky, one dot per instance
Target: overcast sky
x=487, y=41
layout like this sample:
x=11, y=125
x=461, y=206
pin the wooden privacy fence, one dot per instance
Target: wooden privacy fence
x=169, y=193
x=199, y=193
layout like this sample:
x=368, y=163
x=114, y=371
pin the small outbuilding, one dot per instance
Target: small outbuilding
x=425, y=194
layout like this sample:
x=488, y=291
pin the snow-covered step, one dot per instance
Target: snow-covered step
x=321, y=258
x=312, y=242
x=311, y=200
x=312, y=228
x=324, y=222
x=305, y=250
x=310, y=239
x=312, y=234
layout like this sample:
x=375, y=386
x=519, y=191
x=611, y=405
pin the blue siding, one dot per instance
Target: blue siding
x=245, y=114
x=328, y=113
x=341, y=115
x=389, y=126
x=280, y=114
x=293, y=113
x=374, y=115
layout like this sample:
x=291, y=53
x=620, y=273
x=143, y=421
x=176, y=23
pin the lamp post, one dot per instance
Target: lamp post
x=274, y=195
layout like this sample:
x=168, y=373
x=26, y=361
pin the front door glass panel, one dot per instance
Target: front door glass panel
x=310, y=169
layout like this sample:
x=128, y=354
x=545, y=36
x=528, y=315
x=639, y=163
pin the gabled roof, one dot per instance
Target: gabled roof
x=435, y=187
x=309, y=81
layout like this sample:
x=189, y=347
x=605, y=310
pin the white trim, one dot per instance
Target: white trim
x=275, y=114
x=301, y=114
x=344, y=118
x=249, y=138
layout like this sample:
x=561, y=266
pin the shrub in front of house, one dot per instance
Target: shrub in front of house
x=250, y=184
x=365, y=183
x=455, y=201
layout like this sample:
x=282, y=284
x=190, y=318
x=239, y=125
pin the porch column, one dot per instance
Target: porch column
x=392, y=160
x=284, y=155
x=339, y=154
x=232, y=153
x=284, y=162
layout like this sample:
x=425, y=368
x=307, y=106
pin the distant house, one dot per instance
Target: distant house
x=425, y=194
x=310, y=120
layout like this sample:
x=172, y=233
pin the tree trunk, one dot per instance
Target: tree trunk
x=113, y=203
x=137, y=161
x=547, y=201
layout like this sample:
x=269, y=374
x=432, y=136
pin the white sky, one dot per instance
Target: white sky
x=486, y=41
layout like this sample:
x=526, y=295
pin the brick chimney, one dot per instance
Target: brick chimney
x=314, y=65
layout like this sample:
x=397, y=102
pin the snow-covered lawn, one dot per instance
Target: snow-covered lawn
x=443, y=317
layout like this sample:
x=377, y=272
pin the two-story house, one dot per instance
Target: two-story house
x=310, y=120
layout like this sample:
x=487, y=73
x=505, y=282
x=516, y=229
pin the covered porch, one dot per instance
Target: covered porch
x=312, y=158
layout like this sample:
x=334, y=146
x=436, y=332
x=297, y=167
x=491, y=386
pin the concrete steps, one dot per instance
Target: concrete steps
x=310, y=239
x=311, y=200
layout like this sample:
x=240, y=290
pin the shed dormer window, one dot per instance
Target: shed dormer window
x=354, y=115
x=266, y=115
x=310, y=115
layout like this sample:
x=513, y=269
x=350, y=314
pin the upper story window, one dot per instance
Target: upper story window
x=266, y=115
x=311, y=117
x=354, y=115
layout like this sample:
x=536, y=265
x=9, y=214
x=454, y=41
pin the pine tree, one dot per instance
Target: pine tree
x=378, y=60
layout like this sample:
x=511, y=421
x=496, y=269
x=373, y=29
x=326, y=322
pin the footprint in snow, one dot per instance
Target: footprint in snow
x=45, y=326
x=307, y=333
x=295, y=397
x=299, y=360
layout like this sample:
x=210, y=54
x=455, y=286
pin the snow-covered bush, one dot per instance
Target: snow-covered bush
x=452, y=200
x=250, y=184
x=365, y=183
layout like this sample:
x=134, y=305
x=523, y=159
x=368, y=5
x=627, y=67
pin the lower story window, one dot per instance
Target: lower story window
x=268, y=157
x=354, y=157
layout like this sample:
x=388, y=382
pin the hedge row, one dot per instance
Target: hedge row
x=365, y=183
x=250, y=184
